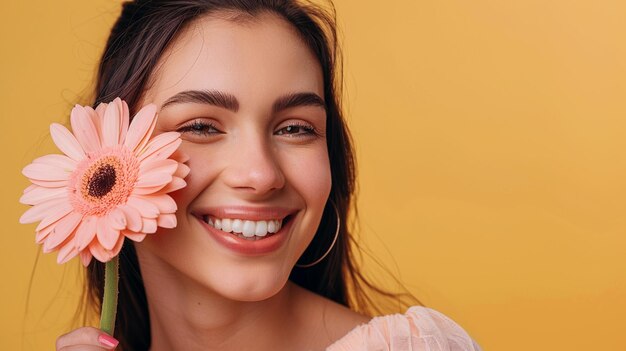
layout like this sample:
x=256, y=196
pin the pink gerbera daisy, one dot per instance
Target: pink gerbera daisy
x=113, y=182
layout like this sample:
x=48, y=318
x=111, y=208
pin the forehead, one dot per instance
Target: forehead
x=255, y=61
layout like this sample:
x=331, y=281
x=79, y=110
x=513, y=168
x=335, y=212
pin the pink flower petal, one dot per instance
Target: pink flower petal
x=141, y=128
x=40, y=211
x=161, y=147
x=62, y=231
x=164, y=203
x=159, y=141
x=146, y=208
x=107, y=236
x=60, y=161
x=117, y=219
x=84, y=129
x=182, y=171
x=86, y=232
x=125, y=121
x=40, y=235
x=85, y=257
x=167, y=220
x=104, y=255
x=138, y=237
x=118, y=246
x=60, y=210
x=66, y=142
x=42, y=171
x=99, y=252
x=180, y=156
x=96, y=118
x=112, y=124
x=41, y=194
x=158, y=166
x=30, y=188
x=162, y=153
x=50, y=184
x=176, y=184
x=100, y=110
x=147, y=190
x=133, y=218
x=149, y=226
x=67, y=252
x=151, y=180
x=167, y=166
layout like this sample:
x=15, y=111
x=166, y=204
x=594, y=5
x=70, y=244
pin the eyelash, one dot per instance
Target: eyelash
x=203, y=128
x=308, y=129
x=198, y=128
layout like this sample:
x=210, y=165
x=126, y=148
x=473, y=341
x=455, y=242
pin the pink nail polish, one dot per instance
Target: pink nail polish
x=107, y=340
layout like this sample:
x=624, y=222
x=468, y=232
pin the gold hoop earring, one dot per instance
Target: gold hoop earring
x=331, y=245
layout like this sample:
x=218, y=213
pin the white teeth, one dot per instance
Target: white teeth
x=237, y=226
x=226, y=225
x=247, y=228
x=261, y=229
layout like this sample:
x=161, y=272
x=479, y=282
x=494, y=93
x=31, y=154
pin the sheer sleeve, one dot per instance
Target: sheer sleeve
x=419, y=329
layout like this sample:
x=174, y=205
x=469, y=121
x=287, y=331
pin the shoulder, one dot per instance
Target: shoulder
x=420, y=328
x=327, y=320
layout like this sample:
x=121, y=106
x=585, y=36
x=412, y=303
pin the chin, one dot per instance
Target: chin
x=234, y=278
x=256, y=284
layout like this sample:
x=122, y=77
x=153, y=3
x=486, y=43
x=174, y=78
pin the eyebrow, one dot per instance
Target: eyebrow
x=229, y=101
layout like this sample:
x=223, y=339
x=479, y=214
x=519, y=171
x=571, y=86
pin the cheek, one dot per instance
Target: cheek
x=311, y=177
x=169, y=243
x=202, y=174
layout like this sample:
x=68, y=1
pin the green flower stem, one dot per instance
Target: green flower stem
x=109, y=301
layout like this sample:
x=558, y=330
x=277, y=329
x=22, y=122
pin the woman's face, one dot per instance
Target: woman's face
x=248, y=100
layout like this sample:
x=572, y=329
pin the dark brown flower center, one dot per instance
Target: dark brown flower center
x=101, y=181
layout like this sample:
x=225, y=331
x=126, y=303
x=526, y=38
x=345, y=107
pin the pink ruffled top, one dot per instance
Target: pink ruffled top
x=419, y=329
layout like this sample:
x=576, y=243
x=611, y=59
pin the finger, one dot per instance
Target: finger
x=84, y=348
x=86, y=336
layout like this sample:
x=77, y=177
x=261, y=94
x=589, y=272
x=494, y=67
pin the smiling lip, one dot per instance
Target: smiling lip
x=260, y=246
x=246, y=212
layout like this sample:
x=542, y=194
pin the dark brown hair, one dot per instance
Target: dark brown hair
x=137, y=41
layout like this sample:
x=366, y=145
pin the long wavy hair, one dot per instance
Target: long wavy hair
x=137, y=41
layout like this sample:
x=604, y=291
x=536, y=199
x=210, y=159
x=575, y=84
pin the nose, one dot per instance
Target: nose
x=254, y=166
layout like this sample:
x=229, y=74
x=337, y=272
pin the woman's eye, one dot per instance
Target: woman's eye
x=199, y=128
x=297, y=130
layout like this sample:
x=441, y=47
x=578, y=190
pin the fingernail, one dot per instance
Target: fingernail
x=107, y=340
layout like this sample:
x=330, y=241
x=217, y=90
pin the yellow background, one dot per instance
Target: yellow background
x=490, y=140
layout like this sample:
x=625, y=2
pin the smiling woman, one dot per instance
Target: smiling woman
x=261, y=241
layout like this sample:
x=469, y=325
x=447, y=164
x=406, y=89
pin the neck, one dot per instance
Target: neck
x=185, y=315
